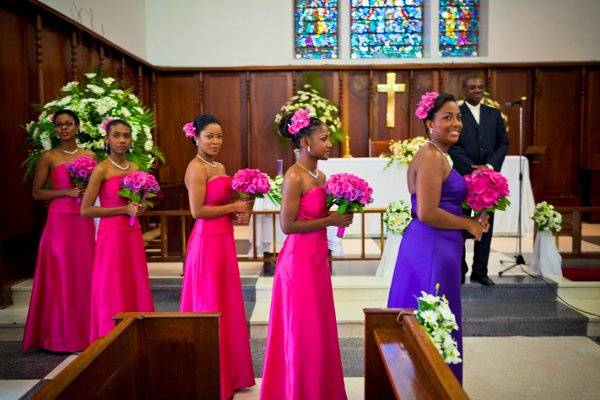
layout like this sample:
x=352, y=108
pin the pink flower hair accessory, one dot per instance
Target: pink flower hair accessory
x=105, y=123
x=426, y=104
x=189, y=130
x=300, y=119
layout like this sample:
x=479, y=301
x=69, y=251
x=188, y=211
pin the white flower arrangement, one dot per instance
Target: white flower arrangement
x=397, y=216
x=546, y=218
x=318, y=106
x=95, y=100
x=403, y=151
x=434, y=314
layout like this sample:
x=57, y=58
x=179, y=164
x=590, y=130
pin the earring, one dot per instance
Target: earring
x=430, y=130
x=106, y=148
x=308, y=149
x=130, y=149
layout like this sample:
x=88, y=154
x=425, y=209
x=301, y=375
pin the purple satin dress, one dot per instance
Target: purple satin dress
x=429, y=255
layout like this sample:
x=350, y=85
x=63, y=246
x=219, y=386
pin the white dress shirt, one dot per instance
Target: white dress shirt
x=475, y=110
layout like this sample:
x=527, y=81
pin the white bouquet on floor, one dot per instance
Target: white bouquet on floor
x=434, y=314
x=395, y=219
x=546, y=258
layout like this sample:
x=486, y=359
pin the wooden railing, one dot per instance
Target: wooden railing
x=184, y=217
x=401, y=361
x=572, y=226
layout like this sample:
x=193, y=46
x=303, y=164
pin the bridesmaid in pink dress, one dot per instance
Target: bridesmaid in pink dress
x=302, y=359
x=211, y=280
x=58, y=318
x=120, y=276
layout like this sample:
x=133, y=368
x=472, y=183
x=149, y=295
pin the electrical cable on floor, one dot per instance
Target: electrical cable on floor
x=557, y=295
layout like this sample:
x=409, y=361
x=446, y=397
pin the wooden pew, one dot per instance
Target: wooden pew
x=401, y=361
x=146, y=356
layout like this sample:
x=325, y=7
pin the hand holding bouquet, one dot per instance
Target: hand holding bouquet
x=80, y=169
x=349, y=192
x=138, y=187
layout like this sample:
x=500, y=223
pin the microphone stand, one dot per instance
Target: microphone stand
x=518, y=258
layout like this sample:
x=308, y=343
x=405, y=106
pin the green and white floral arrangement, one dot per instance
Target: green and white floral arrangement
x=397, y=217
x=546, y=218
x=97, y=99
x=434, y=314
x=275, y=193
x=318, y=106
x=403, y=151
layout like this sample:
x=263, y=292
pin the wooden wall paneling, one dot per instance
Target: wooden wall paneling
x=224, y=96
x=401, y=100
x=590, y=156
x=452, y=79
x=18, y=89
x=508, y=85
x=268, y=92
x=89, y=53
x=556, y=125
x=356, y=102
x=112, y=63
x=422, y=81
x=176, y=102
x=130, y=75
x=56, y=49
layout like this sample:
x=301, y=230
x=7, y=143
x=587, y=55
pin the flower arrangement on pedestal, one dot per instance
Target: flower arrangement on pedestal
x=97, y=99
x=318, y=107
x=403, y=151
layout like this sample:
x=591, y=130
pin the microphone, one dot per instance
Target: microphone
x=515, y=102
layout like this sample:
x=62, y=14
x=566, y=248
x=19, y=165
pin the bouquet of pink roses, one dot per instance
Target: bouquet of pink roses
x=250, y=183
x=139, y=187
x=80, y=169
x=349, y=192
x=487, y=191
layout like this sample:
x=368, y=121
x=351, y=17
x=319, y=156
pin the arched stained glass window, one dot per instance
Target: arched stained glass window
x=316, y=24
x=459, y=28
x=386, y=28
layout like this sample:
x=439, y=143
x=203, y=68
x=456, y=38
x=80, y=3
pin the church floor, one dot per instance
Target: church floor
x=496, y=368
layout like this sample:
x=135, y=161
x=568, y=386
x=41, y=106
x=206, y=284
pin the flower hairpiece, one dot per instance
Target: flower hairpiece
x=426, y=104
x=300, y=119
x=105, y=123
x=189, y=130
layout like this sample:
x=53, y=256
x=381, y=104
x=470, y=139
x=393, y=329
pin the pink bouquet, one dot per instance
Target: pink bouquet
x=250, y=183
x=80, y=169
x=487, y=191
x=349, y=192
x=139, y=187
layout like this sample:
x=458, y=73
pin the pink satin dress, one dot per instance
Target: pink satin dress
x=302, y=360
x=59, y=309
x=120, y=277
x=211, y=283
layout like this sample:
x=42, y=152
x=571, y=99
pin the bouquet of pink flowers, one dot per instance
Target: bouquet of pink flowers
x=250, y=183
x=80, y=169
x=487, y=191
x=139, y=187
x=349, y=192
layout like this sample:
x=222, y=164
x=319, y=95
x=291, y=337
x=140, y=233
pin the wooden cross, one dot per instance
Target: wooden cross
x=391, y=87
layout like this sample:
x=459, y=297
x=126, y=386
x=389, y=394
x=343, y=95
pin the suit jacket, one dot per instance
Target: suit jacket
x=480, y=144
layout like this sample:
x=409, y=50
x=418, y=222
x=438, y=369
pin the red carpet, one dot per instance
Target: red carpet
x=582, y=274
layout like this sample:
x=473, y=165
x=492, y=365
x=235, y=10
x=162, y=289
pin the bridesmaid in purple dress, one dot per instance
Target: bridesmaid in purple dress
x=58, y=318
x=431, y=249
x=302, y=358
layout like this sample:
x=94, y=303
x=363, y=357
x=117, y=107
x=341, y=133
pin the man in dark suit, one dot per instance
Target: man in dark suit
x=483, y=144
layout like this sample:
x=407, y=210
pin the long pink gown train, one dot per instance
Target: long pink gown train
x=59, y=310
x=302, y=360
x=211, y=283
x=120, y=277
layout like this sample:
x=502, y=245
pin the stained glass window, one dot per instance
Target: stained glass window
x=459, y=28
x=316, y=23
x=386, y=28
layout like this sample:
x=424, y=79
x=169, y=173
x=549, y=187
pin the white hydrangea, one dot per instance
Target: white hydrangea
x=105, y=104
x=95, y=88
x=90, y=75
x=148, y=144
x=126, y=113
x=46, y=142
x=64, y=101
x=108, y=81
x=70, y=86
